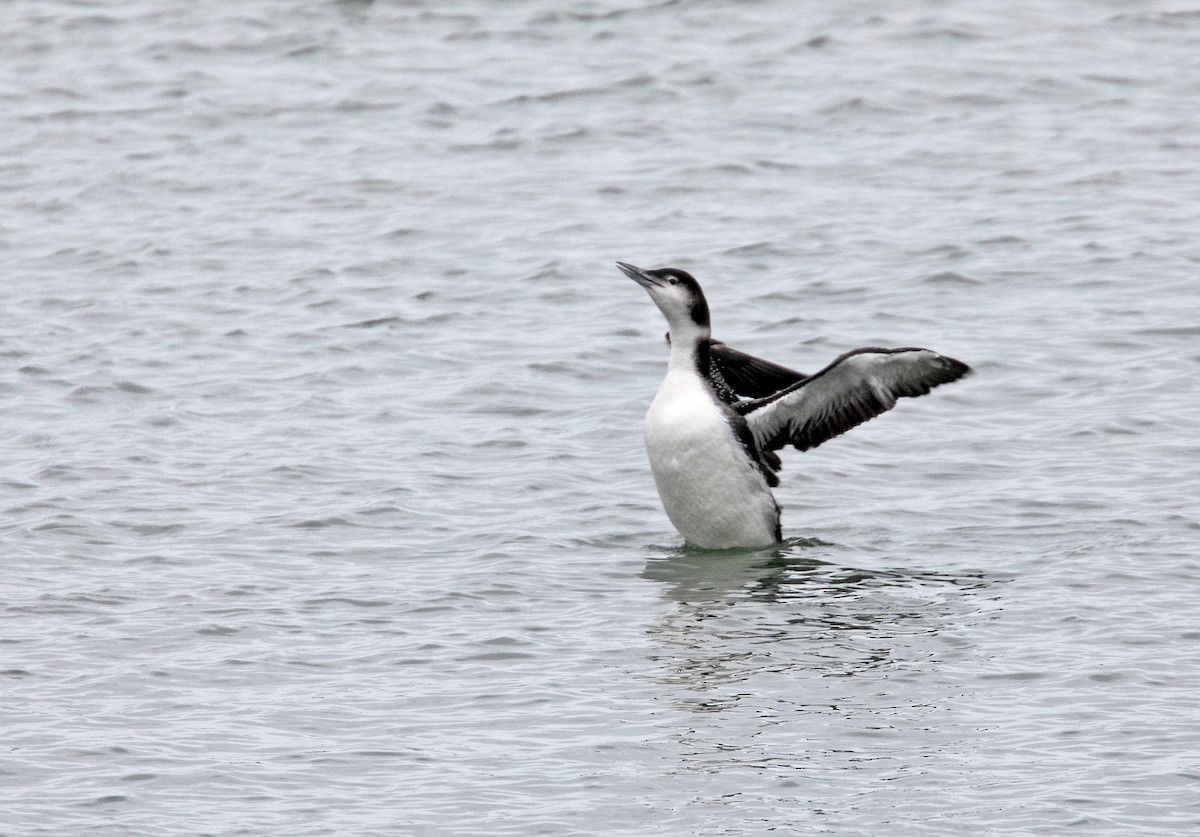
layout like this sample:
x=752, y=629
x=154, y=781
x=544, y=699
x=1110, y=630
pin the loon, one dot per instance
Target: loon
x=718, y=418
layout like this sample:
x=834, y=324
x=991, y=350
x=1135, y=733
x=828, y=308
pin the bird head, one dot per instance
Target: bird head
x=677, y=294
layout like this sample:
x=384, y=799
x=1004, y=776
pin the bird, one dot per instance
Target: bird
x=720, y=415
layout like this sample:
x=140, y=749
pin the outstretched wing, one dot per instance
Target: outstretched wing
x=855, y=388
x=749, y=376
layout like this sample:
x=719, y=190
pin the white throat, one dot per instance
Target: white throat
x=685, y=344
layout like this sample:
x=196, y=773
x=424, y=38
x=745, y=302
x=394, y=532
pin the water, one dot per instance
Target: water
x=324, y=508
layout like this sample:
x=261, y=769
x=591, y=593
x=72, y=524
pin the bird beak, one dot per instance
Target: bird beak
x=640, y=276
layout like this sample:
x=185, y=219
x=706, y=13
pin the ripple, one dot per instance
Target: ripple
x=950, y=277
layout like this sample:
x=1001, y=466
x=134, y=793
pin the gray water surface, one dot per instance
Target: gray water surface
x=324, y=505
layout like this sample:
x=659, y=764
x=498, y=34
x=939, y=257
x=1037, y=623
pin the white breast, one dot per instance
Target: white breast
x=713, y=493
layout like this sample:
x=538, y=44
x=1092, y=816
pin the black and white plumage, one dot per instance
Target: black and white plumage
x=720, y=415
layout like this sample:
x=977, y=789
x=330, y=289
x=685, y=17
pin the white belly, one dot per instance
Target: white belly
x=713, y=493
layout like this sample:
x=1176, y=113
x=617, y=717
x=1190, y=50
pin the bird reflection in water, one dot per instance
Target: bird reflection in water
x=788, y=610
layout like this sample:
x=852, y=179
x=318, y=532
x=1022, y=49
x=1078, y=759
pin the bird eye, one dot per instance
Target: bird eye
x=673, y=280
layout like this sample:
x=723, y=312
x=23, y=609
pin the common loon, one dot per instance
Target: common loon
x=720, y=415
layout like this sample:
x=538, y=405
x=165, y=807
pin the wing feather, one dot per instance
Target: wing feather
x=855, y=388
x=750, y=376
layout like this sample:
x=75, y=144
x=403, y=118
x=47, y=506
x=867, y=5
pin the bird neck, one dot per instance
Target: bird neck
x=690, y=349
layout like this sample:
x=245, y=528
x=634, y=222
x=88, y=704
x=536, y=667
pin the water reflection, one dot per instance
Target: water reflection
x=793, y=610
x=700, y=575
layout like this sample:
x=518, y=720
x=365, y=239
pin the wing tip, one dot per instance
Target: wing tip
x=954, y=368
